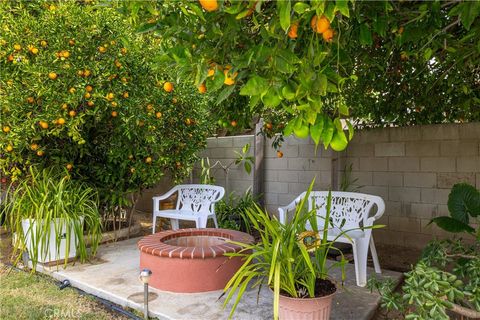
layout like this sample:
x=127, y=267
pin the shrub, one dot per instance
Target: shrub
x=77, y=89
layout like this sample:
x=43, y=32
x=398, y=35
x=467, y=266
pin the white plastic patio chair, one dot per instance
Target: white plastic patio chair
x=349, y=212
x=195, y=202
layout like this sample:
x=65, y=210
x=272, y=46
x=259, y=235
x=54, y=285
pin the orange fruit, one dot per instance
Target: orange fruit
x=65, y=54
x=40, y=153
x=34, y=50
x=132, y=170
x=124, y=80
x=292, y=32
x=123, y=51
x=64, y=106
x=158, y=115
x=168, y=86
x=118, y=64
x=125, y=95
x=87, y=95
x=202, y=88
x=229, y=77
x=209, y=5
x=328, y=35
x=30, y=100
x=43, y=43
x=80, y=73
x=52, y=75
x=188, y=121
x=10, y=58
x=60, y=121
x=69, y=166
x=71, y=42
x=269, y=126
x=400, y=30
x=34, y=146
x=174, y=100
x=149, y=107
x=87, y=73
x=9, y=148
x=6, y=129
x=114, y=104
x=102, y=49
x=72, y=113
x=43, y=124
x=233, y=123
x=279, y=154
x=89, y=88
x=17, y=47
x=211, y=72
x=148, y=160
x=72, y=90
x=90, y=103
x=114, y=114
x=110, y=96
x=320, y=25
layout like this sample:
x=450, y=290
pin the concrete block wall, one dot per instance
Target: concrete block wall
x=413, y=170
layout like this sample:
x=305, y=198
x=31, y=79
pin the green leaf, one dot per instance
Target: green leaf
x=316, y=130
x=329, y=11
x=224, y=94
x=350, y=129
x=271, y=98
x=248, y=167
x=147, y=27
x=195, y=8
x=289, y=128
x=427, y=54
x=365, y=35
x=452, y=225
x=288, y=92
x=463, y=202
x=302, y=131
x=285, y=7
x=311, y=116
x=339, y=141
x=216, y=82
x=256, y=85
x=327, y=132
x=470, y=11
x=343, y=109
x=320, y=85
x=342, y=6
x=300, y=7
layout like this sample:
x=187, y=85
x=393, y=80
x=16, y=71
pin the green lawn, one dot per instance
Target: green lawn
x=29, y=296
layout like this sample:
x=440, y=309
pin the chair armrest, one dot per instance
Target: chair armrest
x=380, y=211
x=156, y=199
x=282, y=211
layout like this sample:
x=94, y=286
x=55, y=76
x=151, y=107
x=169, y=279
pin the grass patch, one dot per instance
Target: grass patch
x=33, y=296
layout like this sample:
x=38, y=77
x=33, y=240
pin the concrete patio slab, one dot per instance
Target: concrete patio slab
x=113, y=276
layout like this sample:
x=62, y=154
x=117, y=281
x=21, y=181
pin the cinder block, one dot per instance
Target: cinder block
x=469, y=130
x=393, y=208
x=443, y=210
x=309, y=151
x=298, y=164
x=369, y=135
x=271, y=175
x=389, y=237
x=276, y=187
x=440, y=132
x=417, y=240
x=276, y=164
x=307, y=176
x=373, y=164
x=434, y=196
x=363, y=178
x=478, y=180
x=438, y=164
x=211, y=142
x=459, y=148
x=382, y=192
x=468, y=164
x=297, y=188
x=447, y=180
x=285, y=199
x=294, y=141
x=360, y=150
x=405, y=134
x=423, y=148
x=271, y=198
x=223, y=142
x=393, y=179
x=404, y=224
x=404, y=194
x=346, y=162
x=217, y=153
x=322, y=164
x=288, y=176
x=240, y=174
x=408, y=164
x=240, y=141
x=390, y=149
x=424, y=210
x=427, y=180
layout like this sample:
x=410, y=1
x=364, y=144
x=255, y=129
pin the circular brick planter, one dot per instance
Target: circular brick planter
x=191, y=260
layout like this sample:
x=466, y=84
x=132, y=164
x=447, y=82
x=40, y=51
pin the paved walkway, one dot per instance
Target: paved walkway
x=114, y=276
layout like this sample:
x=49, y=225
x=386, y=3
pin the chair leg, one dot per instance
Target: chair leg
x=360, y=252
x=373, y=250
x=215, y=221
x=154, y=223
x=175, y=224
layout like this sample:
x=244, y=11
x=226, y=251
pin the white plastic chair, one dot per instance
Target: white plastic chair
x=349, y=212
x=195, y=202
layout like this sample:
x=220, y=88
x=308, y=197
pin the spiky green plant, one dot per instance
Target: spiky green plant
x=50, y=197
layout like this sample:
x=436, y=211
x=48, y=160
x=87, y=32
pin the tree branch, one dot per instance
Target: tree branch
x=466, y=312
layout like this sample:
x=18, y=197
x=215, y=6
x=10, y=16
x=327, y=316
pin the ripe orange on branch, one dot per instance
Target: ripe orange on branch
x=202, y=88
x=168, y=86
x=292, y=32
x=328, y=35
x=52, y=75
x=319, y=25
x=209, y=5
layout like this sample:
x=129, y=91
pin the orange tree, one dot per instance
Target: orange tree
x=301, y=60
x=77, y=90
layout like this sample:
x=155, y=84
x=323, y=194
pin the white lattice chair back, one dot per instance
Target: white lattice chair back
x=348, y=210
x=198, y=197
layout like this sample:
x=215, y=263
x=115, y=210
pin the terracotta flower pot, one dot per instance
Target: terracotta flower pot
x=305, y=308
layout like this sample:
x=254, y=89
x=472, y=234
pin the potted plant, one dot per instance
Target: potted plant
x=292, y=261
x=52, y=217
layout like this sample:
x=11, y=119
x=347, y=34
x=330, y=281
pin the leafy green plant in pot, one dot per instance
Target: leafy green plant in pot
x=292, y=261
x=52, y=217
